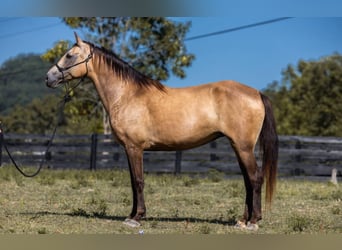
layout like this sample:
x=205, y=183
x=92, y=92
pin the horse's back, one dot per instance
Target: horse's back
x=236, y=110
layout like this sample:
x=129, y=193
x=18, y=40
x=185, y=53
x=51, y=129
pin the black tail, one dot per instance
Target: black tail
x=269, y=145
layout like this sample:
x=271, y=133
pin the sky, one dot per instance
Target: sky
x=255, y=56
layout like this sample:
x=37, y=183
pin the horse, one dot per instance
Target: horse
x=146, y=115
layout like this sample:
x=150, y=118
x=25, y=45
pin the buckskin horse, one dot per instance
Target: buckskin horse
x=147, y=115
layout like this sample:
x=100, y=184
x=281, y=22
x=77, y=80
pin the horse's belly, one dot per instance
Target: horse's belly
x=173, y=142
x=184, y=127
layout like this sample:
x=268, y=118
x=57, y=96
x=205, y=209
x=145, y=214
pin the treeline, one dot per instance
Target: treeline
x=308, y=100
x=21, y=80
x=28, y=106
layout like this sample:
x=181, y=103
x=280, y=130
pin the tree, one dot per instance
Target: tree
x=308, y=100
x=38, y=117
x=22, y=79
x=42, y=114
x=153, y=46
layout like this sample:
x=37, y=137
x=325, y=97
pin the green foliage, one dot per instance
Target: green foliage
x=42, y=230
x=41, y=116
x=190, y=181
x=38, y=117
x=215, y=175
x=153, y=45
x=56, y=52
x=299, y=223
x=204, y=229
x=308, y=100
x=22, y=79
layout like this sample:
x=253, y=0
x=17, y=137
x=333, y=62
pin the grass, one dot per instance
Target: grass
x=74, y=201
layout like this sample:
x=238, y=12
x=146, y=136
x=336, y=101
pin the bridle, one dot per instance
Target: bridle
x=62, y=69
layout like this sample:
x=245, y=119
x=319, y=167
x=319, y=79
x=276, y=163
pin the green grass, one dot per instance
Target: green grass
x=74, y=201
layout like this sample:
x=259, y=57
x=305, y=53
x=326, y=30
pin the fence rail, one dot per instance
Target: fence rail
x=298, y=155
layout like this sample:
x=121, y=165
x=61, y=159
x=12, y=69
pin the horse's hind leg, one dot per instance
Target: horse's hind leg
x=253, y=179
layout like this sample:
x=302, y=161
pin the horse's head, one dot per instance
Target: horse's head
x=72, y=65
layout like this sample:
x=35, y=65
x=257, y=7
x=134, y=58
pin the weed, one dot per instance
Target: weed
x=19, y=180
x=215, y=175
x=119, y=178
x=336, y=210
x=42, y=231
x=337, y=195
x=163, y=179
x=204, y=229
x=232, y=214
x=175, y=213
x=327, y=193
x=234, y=189
x=46, y=180
x=101, y=209
x=299, y=223
x=6, y=173
x=125, y=199
x=81, y=181
x=197, y=202
x=189, y=181
x=79, y=212
x=154, y=224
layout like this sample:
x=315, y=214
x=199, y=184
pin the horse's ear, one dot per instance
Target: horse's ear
x=78, y=39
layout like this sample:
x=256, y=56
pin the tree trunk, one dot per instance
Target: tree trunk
x=106, y=124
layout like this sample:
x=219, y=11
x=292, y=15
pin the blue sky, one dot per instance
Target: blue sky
x=254, y=56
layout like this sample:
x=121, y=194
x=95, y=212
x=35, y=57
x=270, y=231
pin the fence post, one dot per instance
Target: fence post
x=93, y=151
x=334, y=176
x=178, y=162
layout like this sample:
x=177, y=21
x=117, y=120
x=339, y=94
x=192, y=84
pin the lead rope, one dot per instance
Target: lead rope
x=3, y=140
x=66, y=98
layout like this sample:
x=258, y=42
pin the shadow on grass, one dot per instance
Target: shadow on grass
x=84, y=214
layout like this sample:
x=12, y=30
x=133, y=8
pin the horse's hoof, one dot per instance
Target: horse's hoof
x=240, y=225
x=252, y=226
x=131, y=223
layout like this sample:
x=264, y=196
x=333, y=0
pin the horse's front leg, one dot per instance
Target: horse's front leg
x=135, y=161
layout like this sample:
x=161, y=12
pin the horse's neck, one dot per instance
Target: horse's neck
x=111, y=89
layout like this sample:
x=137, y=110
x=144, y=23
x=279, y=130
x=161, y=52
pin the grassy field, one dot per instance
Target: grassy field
x=63, y=202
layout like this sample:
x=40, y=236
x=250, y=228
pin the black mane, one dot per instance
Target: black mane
x=123, y=69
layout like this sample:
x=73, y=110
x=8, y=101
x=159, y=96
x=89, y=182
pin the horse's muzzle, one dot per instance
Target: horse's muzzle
x=53, y=78
x=49, y=83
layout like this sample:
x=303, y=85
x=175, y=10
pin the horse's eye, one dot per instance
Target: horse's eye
x=68, y=55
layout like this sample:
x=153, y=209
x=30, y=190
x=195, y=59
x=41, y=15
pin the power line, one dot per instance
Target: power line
x=28, y=31
x=237, y=28
x=5, y=20
x=187, y=39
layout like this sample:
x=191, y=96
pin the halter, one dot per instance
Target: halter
x=62, y=69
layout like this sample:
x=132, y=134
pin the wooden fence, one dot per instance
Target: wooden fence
x=298, y=155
